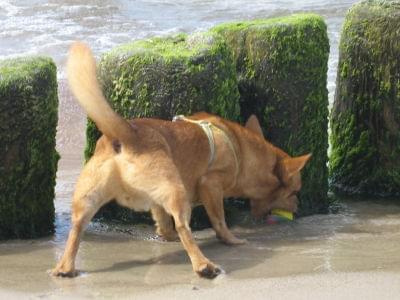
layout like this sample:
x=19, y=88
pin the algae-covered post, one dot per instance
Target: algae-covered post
x=282, y=76
x=365, y=119
x=28, y=159
x=163, y=77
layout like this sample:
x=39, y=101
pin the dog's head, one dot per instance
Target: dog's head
x=284, y=194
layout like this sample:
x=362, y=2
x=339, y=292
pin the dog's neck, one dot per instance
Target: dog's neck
x=258, y=174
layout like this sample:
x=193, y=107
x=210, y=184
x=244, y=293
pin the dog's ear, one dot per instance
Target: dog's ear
x=293, y=165
x=253, y=124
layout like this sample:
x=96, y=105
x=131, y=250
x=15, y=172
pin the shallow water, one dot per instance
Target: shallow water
x=362, y=237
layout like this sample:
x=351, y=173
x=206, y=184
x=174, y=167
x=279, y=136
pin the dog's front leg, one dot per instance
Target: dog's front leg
x=211, y=196
x=164, y=223
x=180, y=210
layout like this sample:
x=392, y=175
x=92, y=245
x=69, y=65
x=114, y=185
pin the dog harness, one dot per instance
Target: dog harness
x=209, y=129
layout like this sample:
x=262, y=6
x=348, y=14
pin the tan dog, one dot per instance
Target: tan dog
x=165, y=167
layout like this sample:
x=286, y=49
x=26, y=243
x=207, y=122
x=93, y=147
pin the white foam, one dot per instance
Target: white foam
x=10, y=10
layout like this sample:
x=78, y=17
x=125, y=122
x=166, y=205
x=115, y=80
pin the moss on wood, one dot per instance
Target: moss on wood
x=365, y=119
x=281, y=66
x=28, y=159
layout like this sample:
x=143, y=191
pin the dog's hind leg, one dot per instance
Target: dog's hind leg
x=81, y=216
x=90, y=194
x=179, y=207
x=211, y=196
x=164, y=223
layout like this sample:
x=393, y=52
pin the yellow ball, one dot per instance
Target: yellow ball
x=282, y=213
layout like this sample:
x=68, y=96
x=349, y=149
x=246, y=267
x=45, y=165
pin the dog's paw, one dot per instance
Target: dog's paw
x=209, y=270
x=231, y=240
x=170, y=237
x=234, y=241
x=58, y=272
x=167, y=235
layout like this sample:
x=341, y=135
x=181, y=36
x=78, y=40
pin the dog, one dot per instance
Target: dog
x=167, y=167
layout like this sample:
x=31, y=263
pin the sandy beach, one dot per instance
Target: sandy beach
x=365, y=285
x=353, y=254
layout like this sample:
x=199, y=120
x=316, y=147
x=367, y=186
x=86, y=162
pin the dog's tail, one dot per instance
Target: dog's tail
x=81, y=70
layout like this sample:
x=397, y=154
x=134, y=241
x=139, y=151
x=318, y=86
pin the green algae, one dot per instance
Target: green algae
x=28, y=159
x=365, y=118
x=281, y=65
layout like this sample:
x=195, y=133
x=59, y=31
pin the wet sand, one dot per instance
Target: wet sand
x=350, y=255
